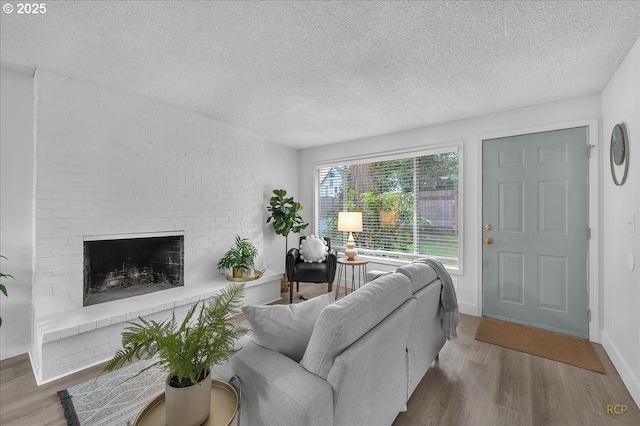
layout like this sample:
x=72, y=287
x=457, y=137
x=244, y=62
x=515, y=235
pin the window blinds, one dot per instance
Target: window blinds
x=409, y=205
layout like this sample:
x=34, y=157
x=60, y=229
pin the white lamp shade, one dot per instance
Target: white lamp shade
x=350, y=221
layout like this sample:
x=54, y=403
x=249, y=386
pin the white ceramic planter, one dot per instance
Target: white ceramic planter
x=188, y=406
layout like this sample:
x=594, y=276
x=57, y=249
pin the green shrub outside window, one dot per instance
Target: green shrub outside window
x=409, y=205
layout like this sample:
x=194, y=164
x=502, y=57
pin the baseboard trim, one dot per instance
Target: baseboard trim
x=626, y=374
x=9, y=350
x=468, y=309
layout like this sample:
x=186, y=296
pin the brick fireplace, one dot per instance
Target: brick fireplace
x=121, y=266
x=112, y=165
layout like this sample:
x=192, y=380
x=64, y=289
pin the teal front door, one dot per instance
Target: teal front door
x=535, y=201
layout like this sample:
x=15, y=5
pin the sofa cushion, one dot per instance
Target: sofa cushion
x=286, y=328
x=345, y=321
x=375, y=274
x=420, y=274
x=313, y=249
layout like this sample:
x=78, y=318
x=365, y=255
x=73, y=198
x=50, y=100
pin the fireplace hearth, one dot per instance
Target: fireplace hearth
x=118, y=267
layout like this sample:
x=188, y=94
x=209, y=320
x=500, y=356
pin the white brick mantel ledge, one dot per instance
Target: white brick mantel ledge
x=81, y=320
x=70, y=341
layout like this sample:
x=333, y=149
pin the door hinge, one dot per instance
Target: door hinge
x=588, y=233
x=589, y=314
x=589, y=147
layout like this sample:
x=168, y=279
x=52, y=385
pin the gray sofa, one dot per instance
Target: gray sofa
x=366, y=355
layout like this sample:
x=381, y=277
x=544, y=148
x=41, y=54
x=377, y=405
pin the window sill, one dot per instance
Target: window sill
x=397, y=262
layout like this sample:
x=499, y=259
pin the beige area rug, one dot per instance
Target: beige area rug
x=557, y=347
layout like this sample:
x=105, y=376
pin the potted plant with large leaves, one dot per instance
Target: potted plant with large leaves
x=239, y=259
x=286, y=219
x=186, y=350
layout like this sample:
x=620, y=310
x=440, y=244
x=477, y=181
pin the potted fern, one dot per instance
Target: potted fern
x=187, y=351
x=240, y=259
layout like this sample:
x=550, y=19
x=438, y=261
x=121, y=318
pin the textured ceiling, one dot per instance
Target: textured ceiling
x=310, y=73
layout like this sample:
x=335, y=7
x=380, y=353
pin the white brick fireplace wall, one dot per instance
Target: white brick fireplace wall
x=108, y=163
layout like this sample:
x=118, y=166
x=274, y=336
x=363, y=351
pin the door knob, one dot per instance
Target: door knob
x=488, y=240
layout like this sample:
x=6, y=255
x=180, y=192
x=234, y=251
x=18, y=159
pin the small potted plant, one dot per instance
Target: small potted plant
x=240, y=259
x=187, y=351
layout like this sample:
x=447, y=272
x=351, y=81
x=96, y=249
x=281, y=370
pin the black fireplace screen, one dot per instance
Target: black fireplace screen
x=117, y=269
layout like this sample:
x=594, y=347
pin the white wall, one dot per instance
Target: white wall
x=621, y=335
x=280, y=172
x=469, y=131
x=16, y=197
x=111, y=163
x=98, y=153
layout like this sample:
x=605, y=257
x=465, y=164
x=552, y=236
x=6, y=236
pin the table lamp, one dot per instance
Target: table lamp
x=350, y=222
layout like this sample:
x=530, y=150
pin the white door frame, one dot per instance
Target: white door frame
x=594, y=217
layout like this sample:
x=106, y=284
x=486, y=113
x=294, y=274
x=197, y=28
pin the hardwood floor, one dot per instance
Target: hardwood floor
x=472, y=383
x=476, y=383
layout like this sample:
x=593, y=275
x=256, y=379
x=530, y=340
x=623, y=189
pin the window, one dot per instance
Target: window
x=409, y=204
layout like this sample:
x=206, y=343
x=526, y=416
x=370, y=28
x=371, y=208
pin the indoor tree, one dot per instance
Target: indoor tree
x=286, y=219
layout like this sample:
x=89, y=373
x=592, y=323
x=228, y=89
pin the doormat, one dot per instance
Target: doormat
x=545, y=344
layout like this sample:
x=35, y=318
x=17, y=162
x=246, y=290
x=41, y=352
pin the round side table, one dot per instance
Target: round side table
x=343, y=262
x=225, y=404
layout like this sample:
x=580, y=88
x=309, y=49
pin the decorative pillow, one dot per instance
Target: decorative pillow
x=286, y=328
x=313, y=249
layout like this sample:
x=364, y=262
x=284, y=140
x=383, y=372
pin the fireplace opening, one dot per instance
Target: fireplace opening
x=120, y=268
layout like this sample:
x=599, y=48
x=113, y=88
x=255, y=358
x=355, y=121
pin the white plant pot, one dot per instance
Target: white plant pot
x=188, y=406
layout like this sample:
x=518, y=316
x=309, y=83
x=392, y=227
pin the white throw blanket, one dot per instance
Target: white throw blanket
x=449, y=312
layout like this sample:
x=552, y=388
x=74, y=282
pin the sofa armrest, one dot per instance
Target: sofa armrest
x=293, y=257
x=276, y=389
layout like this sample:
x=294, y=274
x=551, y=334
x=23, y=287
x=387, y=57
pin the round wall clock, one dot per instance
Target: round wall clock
x=619, y=152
